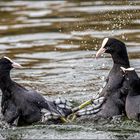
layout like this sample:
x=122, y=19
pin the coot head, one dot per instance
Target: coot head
x=116, y=48
x=111, y=46
x=131, y=78
x=6, y=64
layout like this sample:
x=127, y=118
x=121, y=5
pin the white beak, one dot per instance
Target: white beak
x=100, y=52
x=102, y=49
x=16, y=65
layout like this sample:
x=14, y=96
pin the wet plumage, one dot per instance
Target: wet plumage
x=115, y=100
x=18, y=103
x=132, y=105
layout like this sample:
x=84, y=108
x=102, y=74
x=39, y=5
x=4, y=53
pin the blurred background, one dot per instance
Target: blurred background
x=56, y=42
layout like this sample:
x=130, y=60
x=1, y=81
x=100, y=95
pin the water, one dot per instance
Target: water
x=56, y=42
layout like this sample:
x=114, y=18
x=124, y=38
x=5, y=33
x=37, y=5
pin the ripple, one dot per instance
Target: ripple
x=55, y=41
x=104, y=8
x=39, y=13
x=34, y=37
x=52, y=20
x=104, y=33
x=65, y=46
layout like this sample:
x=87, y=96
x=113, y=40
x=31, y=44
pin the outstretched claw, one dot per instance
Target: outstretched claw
x=94, y=108
x=63, y=106
x=49, y=116
x=87, y=111
x=98, y=102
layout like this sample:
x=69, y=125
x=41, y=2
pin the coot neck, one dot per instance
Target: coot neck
x=121, y=60
x=5, y=80
x=117, y=66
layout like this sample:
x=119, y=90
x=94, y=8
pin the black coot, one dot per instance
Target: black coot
x=115, y=100
x=18, y=103
x=132, y=105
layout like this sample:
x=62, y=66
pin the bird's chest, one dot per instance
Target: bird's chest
x=132, y=104
x=7, y=101
x=114, y=81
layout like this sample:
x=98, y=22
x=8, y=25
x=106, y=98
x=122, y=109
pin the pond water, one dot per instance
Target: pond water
x=56, y=42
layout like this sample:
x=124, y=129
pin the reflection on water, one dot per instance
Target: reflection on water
x=56, y=42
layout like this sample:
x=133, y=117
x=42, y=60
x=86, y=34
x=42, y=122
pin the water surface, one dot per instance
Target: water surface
x=56, y=42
